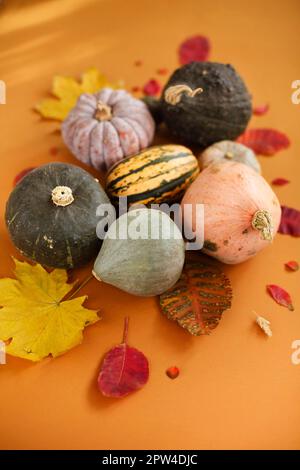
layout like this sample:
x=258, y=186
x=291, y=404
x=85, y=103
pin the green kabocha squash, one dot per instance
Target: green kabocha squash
x=51, y=215
x=142, y=253
x=227, y=150
x=153, y=176
x=206, y=102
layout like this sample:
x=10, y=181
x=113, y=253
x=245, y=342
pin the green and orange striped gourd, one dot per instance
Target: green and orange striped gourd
x=153, y=176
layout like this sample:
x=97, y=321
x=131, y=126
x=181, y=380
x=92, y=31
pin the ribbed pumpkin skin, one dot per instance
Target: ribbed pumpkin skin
x=156, y=175
x=125, y=128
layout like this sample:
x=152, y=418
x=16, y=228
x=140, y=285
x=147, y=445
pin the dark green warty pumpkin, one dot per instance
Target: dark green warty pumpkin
x=206, y=102
x=51, y=215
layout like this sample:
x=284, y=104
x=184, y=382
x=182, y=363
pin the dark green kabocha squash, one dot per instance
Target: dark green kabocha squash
x=205, y=102
x=51, y=215
x=154, y=106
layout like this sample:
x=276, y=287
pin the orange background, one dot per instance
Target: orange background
x=237, y=389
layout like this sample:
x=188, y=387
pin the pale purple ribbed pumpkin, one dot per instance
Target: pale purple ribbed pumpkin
x=107, y=126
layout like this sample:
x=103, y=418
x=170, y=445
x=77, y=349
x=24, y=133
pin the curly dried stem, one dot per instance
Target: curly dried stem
x=103, y=112
x=62, y=196
x=262, y=221
x=173, y=94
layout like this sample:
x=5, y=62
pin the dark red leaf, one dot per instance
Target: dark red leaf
x=264, y=141
x=124, y=369
x=152, y=88
x=22, y=174
x=290, y=221
x=172, y=372
x=138, y=63
x=162, y=71
x=281, y=296
x=136, y=89
x=280, y=182
x=195, y=48
x=198, y=299
x=292, y=266
x=261, y=110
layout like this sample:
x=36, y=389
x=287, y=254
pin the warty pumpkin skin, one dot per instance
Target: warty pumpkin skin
x=241, y=211
x=154, y=107
x=107, y=126
x=154, y=176
x=205, y=102
x=144, y=266
x=51, y=215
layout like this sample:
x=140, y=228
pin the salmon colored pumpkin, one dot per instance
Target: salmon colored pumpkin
x=241, y=212
x=106, y=126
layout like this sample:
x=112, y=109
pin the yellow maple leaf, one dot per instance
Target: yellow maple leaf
x=67, y=90
x=33, y=316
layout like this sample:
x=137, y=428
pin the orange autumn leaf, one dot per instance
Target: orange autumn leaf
x=198, y=299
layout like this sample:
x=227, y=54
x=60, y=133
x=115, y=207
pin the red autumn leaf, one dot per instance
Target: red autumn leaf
x=21, y=175
x=195, y=48
x=135, y=89
x=261, y=110
x=162, y=71
x=264, y=141
x=292, y=266
x=54, y=151
x=151, y=88
x=172, y=372
x=290, y=221
x=280, y=182
x=198, y=299
x=281, y=296
x=124, y=369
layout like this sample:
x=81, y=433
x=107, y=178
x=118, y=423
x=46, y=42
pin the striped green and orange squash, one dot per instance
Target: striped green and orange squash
x=153, y=176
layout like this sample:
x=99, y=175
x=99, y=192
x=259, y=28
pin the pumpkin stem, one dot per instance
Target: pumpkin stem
x=103, y=112
x=262, y=221
x=229, y=155
x=62, y=196
x=174, y=93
